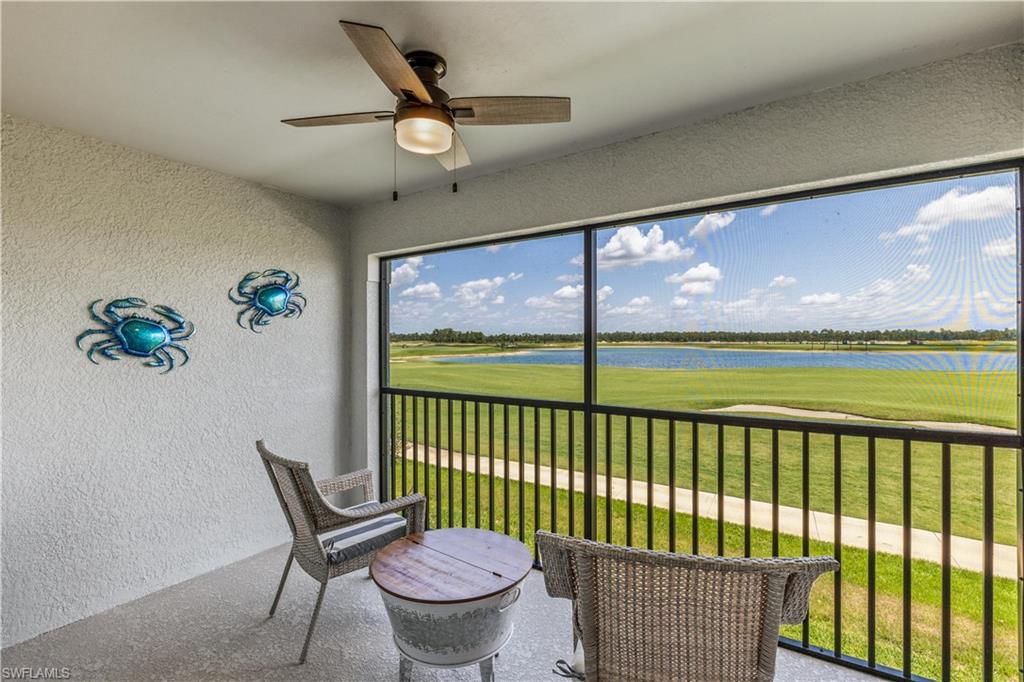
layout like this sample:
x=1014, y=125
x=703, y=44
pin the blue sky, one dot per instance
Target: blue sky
x=931, y=255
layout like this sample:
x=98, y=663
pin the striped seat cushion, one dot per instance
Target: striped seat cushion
x=361, y=538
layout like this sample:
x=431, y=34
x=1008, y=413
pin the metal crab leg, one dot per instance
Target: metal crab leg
x=99, y=346
x=121, y=303
x=110, y=353
x=95, y=315
x=87, y=332
x=181, y=349
x=157, y=361
x=295, y=282
x=241, y=314
x=164, y=355
x=299, y=296
x=246, y=281
x=277, y=272
x=184, y=326
x=254, y=320
x=294, y=310
x=243, y=299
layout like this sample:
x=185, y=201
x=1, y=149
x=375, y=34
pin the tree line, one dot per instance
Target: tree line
x=449, y=335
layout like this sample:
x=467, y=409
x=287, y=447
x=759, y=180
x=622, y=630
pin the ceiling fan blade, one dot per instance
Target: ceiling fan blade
x=491, y=111
x=340, y=119
x=457, y=157
x=386, y=60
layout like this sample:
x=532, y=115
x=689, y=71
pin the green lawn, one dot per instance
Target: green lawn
x=926, y=616
x=873, y=393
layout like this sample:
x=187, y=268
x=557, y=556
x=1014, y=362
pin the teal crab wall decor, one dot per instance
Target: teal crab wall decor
x=137, y=335
x=265, y=295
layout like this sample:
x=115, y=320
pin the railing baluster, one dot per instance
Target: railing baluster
x=837, y=539
x=947, y=523
x=451, y=466
x=522, y=478
x=572, y=473
x=476, y=463
x=391, y=454
x=871, y=551
x=608, y=478
x=536, y=476
x=415, y=450
x=506, y=472
x=987, y=535
x=907, y=564
x=775, y=492
x=694, y=489
x=426, y=460
x=438, y=506
x=671, y=485
x=405, y=484
x=650, y=483
x=554, y=473
x=465, y=460
x=746, y=491
x=629, y=481
x=490, y=466
x=805, y=513
x=721, y=490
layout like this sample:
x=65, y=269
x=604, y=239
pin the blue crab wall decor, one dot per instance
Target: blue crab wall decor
x=137, y=335
x=276, y=295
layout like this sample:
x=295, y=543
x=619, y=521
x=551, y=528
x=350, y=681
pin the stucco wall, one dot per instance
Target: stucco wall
x=949, y=113
x=117, y=480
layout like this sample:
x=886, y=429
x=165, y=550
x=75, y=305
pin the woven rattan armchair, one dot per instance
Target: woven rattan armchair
x=328, y=541
x=654, y=616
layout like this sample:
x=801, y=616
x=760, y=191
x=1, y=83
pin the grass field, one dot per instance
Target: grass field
x=841, y=390
x=926, y=587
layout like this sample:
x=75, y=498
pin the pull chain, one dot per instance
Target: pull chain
x=455, y=165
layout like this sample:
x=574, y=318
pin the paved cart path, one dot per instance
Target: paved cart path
x=966, y=553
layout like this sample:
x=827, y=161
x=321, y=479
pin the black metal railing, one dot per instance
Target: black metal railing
x=898, y=607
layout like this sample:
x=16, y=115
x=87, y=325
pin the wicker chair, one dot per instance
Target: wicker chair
x=645, y=615
x=328, y=541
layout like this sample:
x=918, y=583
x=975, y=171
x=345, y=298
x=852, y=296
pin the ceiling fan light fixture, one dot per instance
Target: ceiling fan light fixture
x=423, y=129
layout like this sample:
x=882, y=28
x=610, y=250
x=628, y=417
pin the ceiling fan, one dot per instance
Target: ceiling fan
x=425, y=116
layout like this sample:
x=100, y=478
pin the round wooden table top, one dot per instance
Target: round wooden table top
x=451, y=565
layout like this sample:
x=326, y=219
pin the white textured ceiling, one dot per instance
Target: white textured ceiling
x=206, y=83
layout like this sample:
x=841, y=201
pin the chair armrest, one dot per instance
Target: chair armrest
x=414, y=506
x=798, y=588
x=337, y=484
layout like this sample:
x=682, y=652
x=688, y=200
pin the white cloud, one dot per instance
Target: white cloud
x=407, y=272
x=918, y=273
x=680, y=302
x=641, y=305
x=1000, y=248
x=782, y=282
x=569, y=279
x=769, y=209
x=957, y=206
x=566, y=298
x=698, y=280
x=631, y=247
x=498, y=300
x=477, y=292
x=712, y=222
x=424, y=290
x=494, y=248
x=826, y=298
x=513, y=276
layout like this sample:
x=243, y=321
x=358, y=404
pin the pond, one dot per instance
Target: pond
x=648, y=357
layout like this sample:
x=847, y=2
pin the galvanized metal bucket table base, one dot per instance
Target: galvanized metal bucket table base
x=449, y=595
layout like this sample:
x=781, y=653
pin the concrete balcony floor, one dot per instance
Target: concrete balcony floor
x=215, y=627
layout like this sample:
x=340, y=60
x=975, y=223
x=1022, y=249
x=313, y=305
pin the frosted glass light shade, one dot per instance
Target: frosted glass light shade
x=423, y=135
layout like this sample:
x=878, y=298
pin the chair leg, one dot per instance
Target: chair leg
x=312, y=623
x=280, y=586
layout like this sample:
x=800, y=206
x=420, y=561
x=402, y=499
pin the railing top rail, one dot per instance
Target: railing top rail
x=867, y=430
